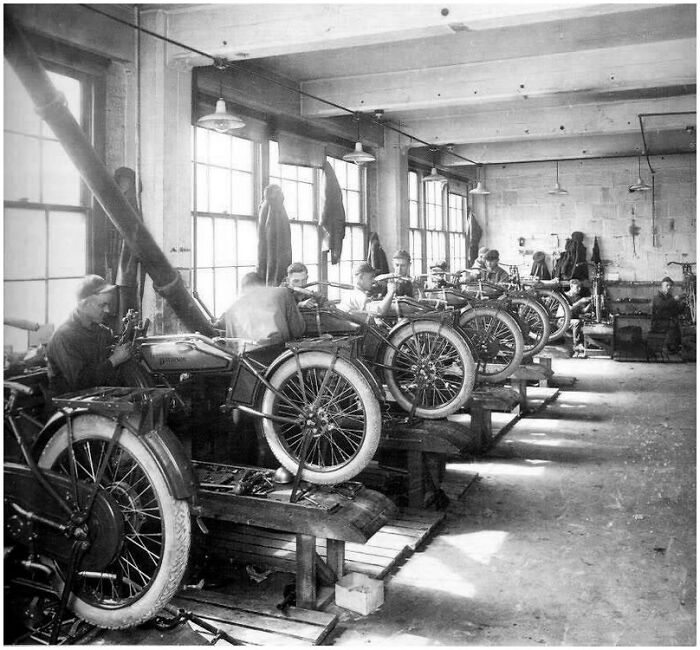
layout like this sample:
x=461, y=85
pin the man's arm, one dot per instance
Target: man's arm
x=295, y=320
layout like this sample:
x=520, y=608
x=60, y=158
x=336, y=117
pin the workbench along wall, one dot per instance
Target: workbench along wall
x=598, y=204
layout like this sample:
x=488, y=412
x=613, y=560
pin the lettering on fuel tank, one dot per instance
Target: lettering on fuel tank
x=164, y=361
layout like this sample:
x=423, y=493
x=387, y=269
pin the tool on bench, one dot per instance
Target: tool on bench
x=180, y=616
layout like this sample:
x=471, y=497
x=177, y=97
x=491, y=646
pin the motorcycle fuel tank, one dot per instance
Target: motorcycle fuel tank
x=187, y=353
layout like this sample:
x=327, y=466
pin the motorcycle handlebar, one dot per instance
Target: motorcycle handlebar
x=16, y=387
x=21, y=323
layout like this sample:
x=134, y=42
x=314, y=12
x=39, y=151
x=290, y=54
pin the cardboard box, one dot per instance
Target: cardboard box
x=359, y=593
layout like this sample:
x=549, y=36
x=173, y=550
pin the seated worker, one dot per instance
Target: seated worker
x=580, y=302
x=493, y=272
x=480, y=261
x=401, y=262
x=438, y=275
x=665, y=312
x=298, y=276
x=361, y=297
x=262, y=314
x=78, y=353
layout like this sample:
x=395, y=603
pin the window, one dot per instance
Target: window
x=349, y=177
x=415, y=232
x=45, y=209
x=225, y=220
x=434, y=222
x=457, y=238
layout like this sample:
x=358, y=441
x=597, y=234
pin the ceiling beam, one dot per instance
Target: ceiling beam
x=616, y=68
x=566, y=148
x=527, y=120
x=246, y=31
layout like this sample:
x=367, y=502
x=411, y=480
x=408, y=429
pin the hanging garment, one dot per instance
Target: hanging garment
x=595, y=254
x=579, y=265
x=562, y=267
x=333, y=215
x=473, y=238
x=539, y=267
x=131, y=275
x=274, y=237
x=376, y=257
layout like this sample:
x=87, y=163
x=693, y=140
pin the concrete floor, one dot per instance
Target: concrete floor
x=580, y=531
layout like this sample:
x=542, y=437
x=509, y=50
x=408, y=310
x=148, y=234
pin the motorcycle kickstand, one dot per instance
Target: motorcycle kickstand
x=76, y=553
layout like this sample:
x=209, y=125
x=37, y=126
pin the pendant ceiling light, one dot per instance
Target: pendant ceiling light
x=558, y=189
x=221, y=120
x=479, y=189
x=640, y=185
x=434, y=177
x=358, y=156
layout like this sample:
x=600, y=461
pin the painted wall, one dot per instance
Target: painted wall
x=598, y=204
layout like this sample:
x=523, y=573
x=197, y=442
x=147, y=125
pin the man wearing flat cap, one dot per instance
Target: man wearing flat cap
x=665, y=312
x=494, y=273
x=78, y=352
x=361, y=299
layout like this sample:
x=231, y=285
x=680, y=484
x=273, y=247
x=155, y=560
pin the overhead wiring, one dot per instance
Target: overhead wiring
x=222, y=64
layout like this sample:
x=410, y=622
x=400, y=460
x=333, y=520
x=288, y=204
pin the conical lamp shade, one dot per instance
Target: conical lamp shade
x=557, y=189
x=434, y=177
x=359, y=156
x=221, y=120
x=479, y=189
x=639, y=186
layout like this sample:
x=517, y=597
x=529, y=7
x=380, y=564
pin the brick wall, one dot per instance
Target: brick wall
x=598, y=204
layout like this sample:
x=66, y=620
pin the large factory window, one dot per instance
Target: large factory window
x=415, y=232
x=45, y=209
x=226, y=230
x=435, y=249
x=457, y=238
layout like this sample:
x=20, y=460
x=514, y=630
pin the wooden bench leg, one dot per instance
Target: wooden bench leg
x=335, y=556
x=546, y=363
x=481, y=424
x=521, y=385
x=306, y=571
x=414, y=464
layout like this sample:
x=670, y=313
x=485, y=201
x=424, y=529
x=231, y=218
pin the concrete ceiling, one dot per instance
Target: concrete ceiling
x=493, y=83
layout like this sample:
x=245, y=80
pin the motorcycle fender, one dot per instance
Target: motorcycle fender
x=407, y=325
x=162, y=444
x=374, y=384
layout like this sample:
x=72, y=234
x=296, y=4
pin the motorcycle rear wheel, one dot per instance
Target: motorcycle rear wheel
x=559, y=312
x=343, y=417
x=147, y=570
x=535, y=324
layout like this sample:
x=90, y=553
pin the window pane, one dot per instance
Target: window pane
x=242, y=154
x=225, y=289
x=22, y=171
x=247, y=242
x=70, y=88
x=205, y=242
x=219, y=190
x=219, y=149
x=242, y=193
x=205, y=289
x=305, y=174
x=202, y=189
x=23, y=300
x=19, y=109
x=67, y=232
x=60, y=178
x=352, y=207
x=201, y=152
x=413, y=186
x=274, y=164
x=224, y=242
x=306, y=202
x=413, y=214
x=353, y=174
x=310, y=253
x=297, y=242
x=25, y=244
x=289, y=189
x=62, y=299
x=357, y=237
x=288, y=171
x=340, y=169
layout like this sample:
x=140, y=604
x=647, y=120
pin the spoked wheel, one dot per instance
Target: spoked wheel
x=495, y=340
x=331, y=409
x=559, y=312
x=534, y=324
x=152, y=558
x=429, y=364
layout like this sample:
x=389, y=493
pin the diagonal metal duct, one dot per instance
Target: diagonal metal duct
x=51, y=106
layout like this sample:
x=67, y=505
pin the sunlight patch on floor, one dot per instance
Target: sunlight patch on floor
x=480, y=546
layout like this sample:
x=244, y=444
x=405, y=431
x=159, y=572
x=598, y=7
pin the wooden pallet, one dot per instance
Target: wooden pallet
x=253, y=622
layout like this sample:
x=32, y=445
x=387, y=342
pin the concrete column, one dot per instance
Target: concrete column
x=391, y=192
x=166, y=161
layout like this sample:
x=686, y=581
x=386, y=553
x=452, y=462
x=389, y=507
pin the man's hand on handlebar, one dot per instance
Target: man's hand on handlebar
x=120, y=354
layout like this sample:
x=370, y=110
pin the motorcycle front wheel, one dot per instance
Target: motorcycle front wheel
x=429, y=365
x=147, y=569
x=495, y=340
x=535, y=325
x=328, y=405
x=559, y=312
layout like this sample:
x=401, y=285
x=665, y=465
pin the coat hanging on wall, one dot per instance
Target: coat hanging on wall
x=131, y=275
x=473, y=238
x=274, y=237
x=376, y=257
x=333, y=215
x=539, y=267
